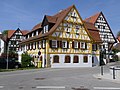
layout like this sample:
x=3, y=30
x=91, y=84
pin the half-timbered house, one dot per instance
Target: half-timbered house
x=62, y=40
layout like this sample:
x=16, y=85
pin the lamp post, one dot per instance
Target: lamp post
x=103, y=55
x=7, y=56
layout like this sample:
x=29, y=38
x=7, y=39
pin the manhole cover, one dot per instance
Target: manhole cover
x=20, y=87
x=80, y=88
x=39, y=78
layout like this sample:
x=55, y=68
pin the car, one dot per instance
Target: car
x=12, y=63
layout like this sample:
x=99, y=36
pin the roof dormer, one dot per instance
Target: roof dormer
x=48, y=23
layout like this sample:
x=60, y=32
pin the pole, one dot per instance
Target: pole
x=7, y=56
x=113, y=73
x=101, y=70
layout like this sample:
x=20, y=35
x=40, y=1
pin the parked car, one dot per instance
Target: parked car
x=12, y=63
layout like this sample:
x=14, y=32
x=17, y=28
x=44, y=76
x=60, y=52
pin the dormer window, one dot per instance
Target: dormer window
x=36, y=32
x=45, y=29
x=73, y=14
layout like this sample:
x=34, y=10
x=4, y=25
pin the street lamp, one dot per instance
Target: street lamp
x=7, y=56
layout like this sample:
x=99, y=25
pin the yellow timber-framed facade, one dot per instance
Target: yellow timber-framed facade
x=61, y=41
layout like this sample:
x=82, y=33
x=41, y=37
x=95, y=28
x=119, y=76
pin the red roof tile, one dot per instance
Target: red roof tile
x=93, y=31
x=37, y=26
x=92, y=19
x=24, y=32
x=10, y=33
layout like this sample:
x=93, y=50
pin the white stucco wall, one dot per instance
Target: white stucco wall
x=96, y=60
x=61, y=63
x=2, y=46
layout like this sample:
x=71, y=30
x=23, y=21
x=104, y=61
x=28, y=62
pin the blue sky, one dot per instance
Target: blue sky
x=27, y=13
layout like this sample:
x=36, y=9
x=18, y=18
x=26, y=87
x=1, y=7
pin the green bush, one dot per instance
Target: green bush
x=26, y=60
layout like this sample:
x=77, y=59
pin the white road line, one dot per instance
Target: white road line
x=1, y=86
x=106, y=88
x=50, y=87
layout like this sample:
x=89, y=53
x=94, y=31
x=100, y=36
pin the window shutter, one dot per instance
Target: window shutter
x=96, y=47
x=67, y=44
x=35, y=45
x=60, y=44
x=50, y=42
x=78, y=44
x=85, y=45
x=38, y=44
x=73, y=44
x=31, y=46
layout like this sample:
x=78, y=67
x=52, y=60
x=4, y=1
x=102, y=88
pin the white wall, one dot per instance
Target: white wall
x=96, y=60
x=61, y=63
x=2, y=46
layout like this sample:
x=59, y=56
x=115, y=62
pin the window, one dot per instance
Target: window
x=76, y=59
x=103, y=27
x=83, y=45
x=98, y=26
x=75, y=44
x=77, y=29
x=64, y=44
x=54, y=43
x=68, y=28
x=39, y=44
x=94, y=47
x=34, y=45
x=73, y=14
x=67, y=59
x=56, y=59
x=17, y=37
x=43, y=44
x=85, y=59
x=45, y=29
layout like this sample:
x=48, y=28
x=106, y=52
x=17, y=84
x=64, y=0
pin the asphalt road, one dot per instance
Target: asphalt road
x=55, y=79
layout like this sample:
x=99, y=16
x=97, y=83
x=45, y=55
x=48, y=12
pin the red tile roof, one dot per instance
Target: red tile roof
x=60, y=16
x=93, y=32
x=92, y=19
x=24, y=32
x=10, y=33
x=37, y=26
x=51, y=19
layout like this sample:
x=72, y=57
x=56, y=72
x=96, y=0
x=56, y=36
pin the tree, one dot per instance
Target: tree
x=26, y=60
x=118, y=34
x=5, y=32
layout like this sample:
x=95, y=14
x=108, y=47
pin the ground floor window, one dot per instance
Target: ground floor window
x=85, y=59
x=76, y=59
x=56, y=59
x=67, y=59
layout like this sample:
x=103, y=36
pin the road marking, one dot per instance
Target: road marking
x=106, y=88
x=50, y=87
x=1, y=86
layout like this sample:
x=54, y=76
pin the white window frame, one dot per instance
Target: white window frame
x=45, y=29
x=82, y=46
x=65, y=44
x=54, y=42
x=94, y=46
x=43, y=44
x=75, y=44
x=39, y=46
x=34, y=45
x=30, y=45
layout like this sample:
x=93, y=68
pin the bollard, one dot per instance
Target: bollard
x=113, y=72
x=101, y=70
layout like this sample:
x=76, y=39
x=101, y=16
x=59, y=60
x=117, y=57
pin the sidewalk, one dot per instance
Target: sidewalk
x=107, y=76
